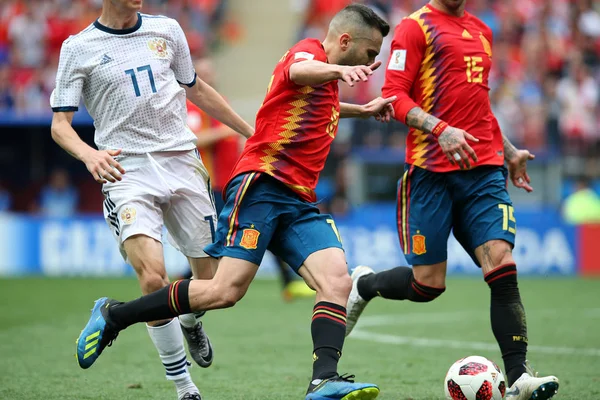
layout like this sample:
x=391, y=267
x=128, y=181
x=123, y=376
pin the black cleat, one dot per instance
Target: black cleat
x=191, y=396
x=199, y=345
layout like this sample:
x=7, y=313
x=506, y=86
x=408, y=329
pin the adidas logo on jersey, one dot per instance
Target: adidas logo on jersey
x=105, y=59
x=466, y=35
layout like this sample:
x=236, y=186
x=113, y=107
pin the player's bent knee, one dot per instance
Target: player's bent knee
x=501, y=253
x=150, y=282
x=428, y=283
x=228, y=295
x=422, y=293
x=229, y=298
x=336, y=284
x=430, y=275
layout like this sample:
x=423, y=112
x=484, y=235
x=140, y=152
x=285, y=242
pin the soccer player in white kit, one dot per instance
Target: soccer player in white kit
x=134, y=72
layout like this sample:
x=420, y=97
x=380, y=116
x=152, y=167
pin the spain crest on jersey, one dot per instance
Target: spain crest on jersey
x=418, y=246
x=158, y=46
x=250, y=239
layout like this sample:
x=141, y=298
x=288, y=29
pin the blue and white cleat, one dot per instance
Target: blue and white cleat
x=341, y=388
x=96, y=335
x=530, y=386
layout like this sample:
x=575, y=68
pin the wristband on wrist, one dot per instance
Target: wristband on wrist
x=439, y=128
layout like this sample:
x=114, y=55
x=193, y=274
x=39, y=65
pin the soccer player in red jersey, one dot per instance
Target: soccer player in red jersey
x=270, y=200
x=220, y=149
x=454, y=179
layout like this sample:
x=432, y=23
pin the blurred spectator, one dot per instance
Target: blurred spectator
x=27, y=34
x=578, y=96
x=7, y=100
x=318, y=14
x=583, y=206
x=59, y=198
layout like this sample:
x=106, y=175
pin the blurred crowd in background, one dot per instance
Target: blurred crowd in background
x=545, y=81
x=32, y=32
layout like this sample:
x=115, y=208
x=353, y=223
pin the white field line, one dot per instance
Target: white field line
x=380, y=320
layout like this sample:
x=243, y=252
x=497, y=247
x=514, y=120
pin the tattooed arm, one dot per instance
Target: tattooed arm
x=510, y=151
x=419, y=119
x=516, y=161
x=453, y=141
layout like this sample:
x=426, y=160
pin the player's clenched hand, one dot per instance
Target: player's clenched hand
x=517, y=169
x=453, y=142
x=103, y=166
x=380, y=108
x=357, y=73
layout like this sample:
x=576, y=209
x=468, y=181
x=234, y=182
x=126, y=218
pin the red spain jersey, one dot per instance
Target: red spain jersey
x=294, y=127
x=441, y=63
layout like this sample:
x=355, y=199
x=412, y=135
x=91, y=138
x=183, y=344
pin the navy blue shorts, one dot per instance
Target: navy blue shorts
x=262, y=213
x=474, y=204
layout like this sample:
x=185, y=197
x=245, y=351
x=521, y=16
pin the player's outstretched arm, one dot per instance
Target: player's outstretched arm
x=101, y=164
x=516, y=161
x=211, y=136
x=453, y=141
x=209, y=100
x=381, y=109
x=315, y=73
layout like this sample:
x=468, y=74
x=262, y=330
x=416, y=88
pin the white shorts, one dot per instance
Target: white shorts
x=170, y=188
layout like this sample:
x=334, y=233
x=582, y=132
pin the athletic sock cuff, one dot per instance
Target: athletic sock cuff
x=501, y=272
x=331, y=311
x=426, y=292
x=179, y=299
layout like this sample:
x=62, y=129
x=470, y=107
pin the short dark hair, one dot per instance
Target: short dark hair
x=368, y=17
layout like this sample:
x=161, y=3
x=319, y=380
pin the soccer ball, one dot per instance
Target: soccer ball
x=474, y=378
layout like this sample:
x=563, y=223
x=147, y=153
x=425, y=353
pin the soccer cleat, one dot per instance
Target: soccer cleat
x=356, y=304
x=530, y=387
x=191, y=396
x=96, y=335
x=342, y=388
x=199, y=345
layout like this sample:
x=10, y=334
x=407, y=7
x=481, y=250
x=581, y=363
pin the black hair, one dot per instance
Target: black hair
x=368, y=17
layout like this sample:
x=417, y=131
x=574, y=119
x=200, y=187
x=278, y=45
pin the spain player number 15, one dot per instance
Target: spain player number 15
x=509, y=216
x=474, y=71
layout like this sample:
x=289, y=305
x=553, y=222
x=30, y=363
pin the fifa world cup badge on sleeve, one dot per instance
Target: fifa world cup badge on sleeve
x=250, y=239
x=398, y=60
x=128, y=215
x=418, y=246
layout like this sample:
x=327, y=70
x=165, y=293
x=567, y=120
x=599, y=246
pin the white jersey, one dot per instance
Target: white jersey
x=130, y=82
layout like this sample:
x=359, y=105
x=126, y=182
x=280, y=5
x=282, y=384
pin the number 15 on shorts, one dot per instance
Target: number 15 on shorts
x=508, y=221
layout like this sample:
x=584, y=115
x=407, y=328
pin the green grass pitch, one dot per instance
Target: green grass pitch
x=263, y=347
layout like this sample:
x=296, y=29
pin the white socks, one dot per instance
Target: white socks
x=187, y=320
x=168, y=340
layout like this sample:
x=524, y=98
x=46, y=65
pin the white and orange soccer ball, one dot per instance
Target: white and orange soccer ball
x=474, y=378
